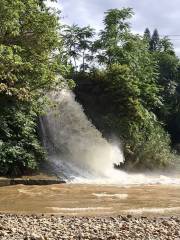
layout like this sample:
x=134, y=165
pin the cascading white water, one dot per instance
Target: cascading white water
x=79, y=151
x=73, y=142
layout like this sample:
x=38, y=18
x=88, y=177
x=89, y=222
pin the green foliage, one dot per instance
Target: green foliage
x=30, y=50
x=168, y=79
x=113, y=36
x=133, y=91
x=166, y=46
x=78, y=44
x=155, y=41
x=137, y=124
x=148, y=147
x=19, y=147
x=147, y=35
x=129, y=87
x=168, y=82
x=125, y=94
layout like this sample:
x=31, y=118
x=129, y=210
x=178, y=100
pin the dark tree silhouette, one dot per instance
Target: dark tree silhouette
x=155, y=41
x=147, y=34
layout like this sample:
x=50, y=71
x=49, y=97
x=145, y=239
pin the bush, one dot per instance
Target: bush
x=114, y=103
x=148, y=147
x=20, y=149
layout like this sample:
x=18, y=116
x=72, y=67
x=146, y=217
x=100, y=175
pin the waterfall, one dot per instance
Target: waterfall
x=73, y=143
x=78, y=151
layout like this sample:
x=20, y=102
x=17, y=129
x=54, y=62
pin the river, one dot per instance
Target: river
x=91, y=200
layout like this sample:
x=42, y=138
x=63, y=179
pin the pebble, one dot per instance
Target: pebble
x=14, y=227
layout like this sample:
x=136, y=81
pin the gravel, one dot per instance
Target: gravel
x=17, y=227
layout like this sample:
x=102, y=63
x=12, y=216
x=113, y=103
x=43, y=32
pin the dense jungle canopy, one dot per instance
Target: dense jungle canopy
x=129, y=85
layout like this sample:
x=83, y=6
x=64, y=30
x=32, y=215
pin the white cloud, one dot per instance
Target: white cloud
x=162, y=14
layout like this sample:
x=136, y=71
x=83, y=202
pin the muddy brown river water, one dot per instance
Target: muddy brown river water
x=91, y=200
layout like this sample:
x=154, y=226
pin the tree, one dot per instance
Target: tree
x=166, y=46
x=155, y=42
x=147, y=34
x=78, y=43
x=168, y=80
x=85, y=45
x=113, y=36
x=127, y=91
x=29, y=42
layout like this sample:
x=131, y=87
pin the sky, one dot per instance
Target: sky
x=161, y=14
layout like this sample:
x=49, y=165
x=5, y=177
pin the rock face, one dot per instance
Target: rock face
x=29, y=181
x=35, y=181
x=17, y=227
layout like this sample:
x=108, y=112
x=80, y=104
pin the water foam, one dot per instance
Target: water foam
x=108, y=195
x=151, y=210
x=73, y=143
x=79, y=151
x=123, y=178
x=84, y=209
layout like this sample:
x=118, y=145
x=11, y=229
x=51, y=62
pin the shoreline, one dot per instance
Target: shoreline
x=35, y=227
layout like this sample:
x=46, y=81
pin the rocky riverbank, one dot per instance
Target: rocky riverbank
x=17, y=227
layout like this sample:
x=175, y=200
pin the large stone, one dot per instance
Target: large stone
x=35, y=236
